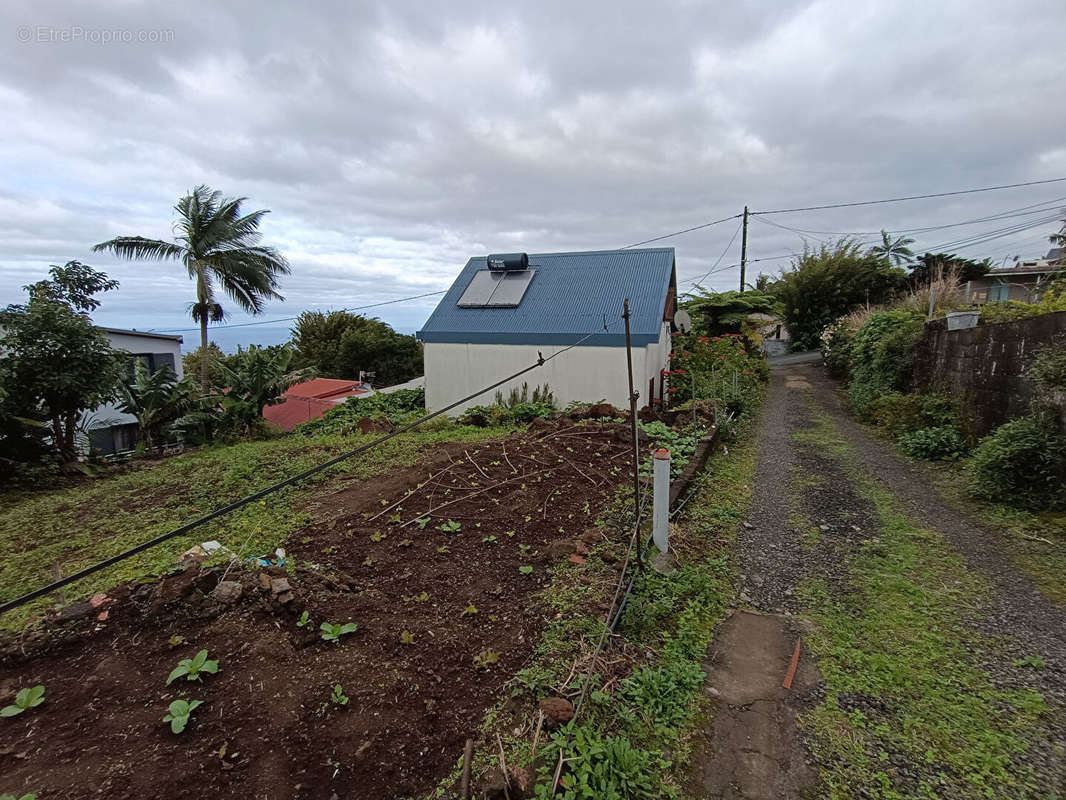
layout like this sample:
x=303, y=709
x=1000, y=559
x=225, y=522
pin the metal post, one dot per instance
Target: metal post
x=660, y=507
x=633, y=421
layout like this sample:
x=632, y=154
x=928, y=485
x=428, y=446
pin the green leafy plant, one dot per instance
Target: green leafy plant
x=332, y=632
x=488, y=539
x=933, y=444
x=303, y=620
x=422, y=522
x=486, y=658
x=451, y=526
x=192, y=667
x=525, y=569
x=24, y=700
x=406, y=637
x=1022, y=463
x=1049, y=367
x=338, y=698
x=470, y=610
x=598, y=767
x=13, y=797
x=180, y=710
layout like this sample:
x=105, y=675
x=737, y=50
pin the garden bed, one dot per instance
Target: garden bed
x=446, y=610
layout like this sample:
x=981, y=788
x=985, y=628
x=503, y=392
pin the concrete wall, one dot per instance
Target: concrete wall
x=583, y=374
x=984, y=367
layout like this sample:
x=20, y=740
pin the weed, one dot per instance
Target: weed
x=338, y=697
x=486, y=658
x=406, y=637
x=526, y=569
x=303, y=620
x=24, y=700
x=13, y=797
x=192, y=667
x=451, y=526
x=598, y=767
x=470, y=610
x=332, y=632
x=180, y=710
x=488, y=539
x=422, y=522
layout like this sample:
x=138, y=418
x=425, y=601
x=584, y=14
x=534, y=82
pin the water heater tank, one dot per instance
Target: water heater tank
x=508, y=262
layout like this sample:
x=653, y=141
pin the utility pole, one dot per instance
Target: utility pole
x=744, y=249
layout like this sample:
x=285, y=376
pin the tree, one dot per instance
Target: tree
x=1059, y=239
x=930, y=266
x=191, y=362
x=827, y=283
x=56, y=361
x=156, y=399
x=723, y=312
x=255, y=378
x=340, y=345
x=895, y=251
x=219, y=247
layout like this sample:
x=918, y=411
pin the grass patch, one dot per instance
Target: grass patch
x=909, y=712
x=45, y=535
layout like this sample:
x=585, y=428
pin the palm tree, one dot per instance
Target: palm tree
x=219, y=247
x=895, y=250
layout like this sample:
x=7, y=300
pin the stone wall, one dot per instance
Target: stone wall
x=984, y=368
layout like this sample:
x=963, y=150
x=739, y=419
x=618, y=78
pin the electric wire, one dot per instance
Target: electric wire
x=685, y=230
x=292, y=479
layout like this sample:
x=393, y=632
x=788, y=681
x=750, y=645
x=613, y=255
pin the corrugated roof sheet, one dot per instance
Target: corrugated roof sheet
x=569, y=297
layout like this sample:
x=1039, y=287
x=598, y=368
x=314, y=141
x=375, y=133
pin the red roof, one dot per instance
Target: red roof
x=309, y=400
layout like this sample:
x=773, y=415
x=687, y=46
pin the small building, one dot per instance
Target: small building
x=502, y=312
x=1025, y=281
x=109, y=430
x=303, y=402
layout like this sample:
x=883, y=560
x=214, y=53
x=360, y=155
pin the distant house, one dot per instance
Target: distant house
x=1025, y=281
x=109, y=430
x=502, y=311
x=311, y=399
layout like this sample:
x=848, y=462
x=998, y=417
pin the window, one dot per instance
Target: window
x=490, y=289
x=151, y=361
x=998, y=292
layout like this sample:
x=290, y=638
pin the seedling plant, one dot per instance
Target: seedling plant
x=332, y=632
x=338, y=698
x=25, y=699
x=192, y=667
x=180, y=710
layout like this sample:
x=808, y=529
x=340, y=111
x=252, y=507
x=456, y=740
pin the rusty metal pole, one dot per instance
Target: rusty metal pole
x=633, y=423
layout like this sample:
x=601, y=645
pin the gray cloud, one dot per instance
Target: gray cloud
x=392, y=141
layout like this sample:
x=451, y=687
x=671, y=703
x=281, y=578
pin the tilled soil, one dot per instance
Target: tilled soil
x=445, y=618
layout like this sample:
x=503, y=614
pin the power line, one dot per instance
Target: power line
x=290, y=319
x=678, y=233
x=711, y=271
x=236, y=504
x=912, y=197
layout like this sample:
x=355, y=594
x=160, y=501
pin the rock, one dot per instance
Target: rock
x=560, y=548
x=279, y=586
x=378, y=425
x=75, y=611
x=581, y=548
x=592, y=535
x=710, y=691
x=557, y=711
x=276, y=571
x=264, y=581
x=576, y=559
x=228, y=592
x=284, y=598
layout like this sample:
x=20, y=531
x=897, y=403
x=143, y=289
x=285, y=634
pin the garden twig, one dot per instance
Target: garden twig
x=481, y=491
x=479, y=469
x=503, y=768
x=503, y=444
x=536, y=736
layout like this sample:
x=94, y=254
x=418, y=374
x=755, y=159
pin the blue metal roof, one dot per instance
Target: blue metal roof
x=570, y=296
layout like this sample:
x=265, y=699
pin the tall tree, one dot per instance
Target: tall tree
x=219, y=247
x=57, y=362
x=897, y=250
x=155, y=399
x=1059, y=239
x=827, y=283
x=340, y=345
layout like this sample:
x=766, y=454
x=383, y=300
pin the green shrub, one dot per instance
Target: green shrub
x=403, y=405
x=881, y=357
x=1022, y=463
x=836, y=348
x=597, y=768
x=1049, y=367
x=900, y=413
x=661, y=694
x=933, y=444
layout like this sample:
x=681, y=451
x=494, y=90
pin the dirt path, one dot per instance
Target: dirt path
x=810, y=519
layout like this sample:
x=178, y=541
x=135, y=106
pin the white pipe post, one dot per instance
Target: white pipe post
x=660, y=515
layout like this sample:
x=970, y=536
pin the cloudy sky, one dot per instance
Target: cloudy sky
x=392, y=141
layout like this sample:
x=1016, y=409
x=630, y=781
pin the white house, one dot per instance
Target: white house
x=502, y=311
x=111, y=431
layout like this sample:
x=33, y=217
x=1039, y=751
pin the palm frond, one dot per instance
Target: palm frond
x=136, y=247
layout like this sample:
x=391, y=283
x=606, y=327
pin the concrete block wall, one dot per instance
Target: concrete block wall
x=984, y=368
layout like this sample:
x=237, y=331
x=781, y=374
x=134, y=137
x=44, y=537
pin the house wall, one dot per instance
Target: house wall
x=582, y=374
x=1023, y=288
x=984, y=368
x=107, y=415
